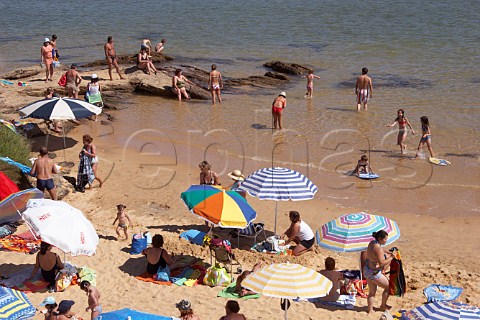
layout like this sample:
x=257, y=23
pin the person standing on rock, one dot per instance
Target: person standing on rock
x=44, y=168
x=47, y=59
x=73, y=81
x=160, y=46
x=363, y=89
x=278, y=105
x=215, y=83
x=111, y=57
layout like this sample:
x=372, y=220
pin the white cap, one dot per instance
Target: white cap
x=46, y=40
x=94, y=76
x=283, y=94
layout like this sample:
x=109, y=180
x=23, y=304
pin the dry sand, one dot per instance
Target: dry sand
x=443, y=251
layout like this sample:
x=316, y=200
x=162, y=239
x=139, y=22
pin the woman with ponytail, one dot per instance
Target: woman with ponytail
x=376, y=261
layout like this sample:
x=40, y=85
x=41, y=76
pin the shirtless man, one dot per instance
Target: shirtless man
x=147, y=45
x=73, y=81
x=47, y=59
x=278, y=105
x=65, y=310
x=111, y=57
x=93, y=296
x=43, y=168
x=215, y=83
x=363, y=89
x=333, y=275
x=160, y=46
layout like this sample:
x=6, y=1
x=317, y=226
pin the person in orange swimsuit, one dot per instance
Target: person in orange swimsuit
x=47, y=59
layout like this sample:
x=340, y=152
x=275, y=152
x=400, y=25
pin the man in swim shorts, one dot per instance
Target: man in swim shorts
x=111, y=57
x=363, y=89
x=278, y=105
x=43, y=168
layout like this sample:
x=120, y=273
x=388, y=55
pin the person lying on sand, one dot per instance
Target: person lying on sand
x=238, y=287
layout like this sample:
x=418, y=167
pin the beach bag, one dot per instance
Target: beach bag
x=139, y=243
x=63, y=80
x=163, y=274
x=55, y=62
x=63, y=281
x=271, y=244
x=217, y=276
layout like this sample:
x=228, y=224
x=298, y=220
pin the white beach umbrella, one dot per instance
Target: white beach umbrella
x=62, y=226
x=289, y=281
x=279, y=184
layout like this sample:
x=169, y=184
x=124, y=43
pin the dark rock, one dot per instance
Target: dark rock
x=129, y=59
x=266, y=81
x=22, y=73
x=288, y=68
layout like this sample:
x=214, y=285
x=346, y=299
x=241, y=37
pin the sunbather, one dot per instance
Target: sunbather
x=159, y=257
x=238, y=287
x=49, y=263
x=231, y=309
x=333, y=275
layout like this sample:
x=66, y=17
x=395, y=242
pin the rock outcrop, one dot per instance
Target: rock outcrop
x=129, y=59
x=288, y=68
x=22, y=73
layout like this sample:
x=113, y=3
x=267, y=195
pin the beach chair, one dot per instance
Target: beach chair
x=252, y=231
x=223, y=256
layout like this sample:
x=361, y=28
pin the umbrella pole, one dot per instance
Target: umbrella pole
x=275, y=228
x=64, y=143
x=286, y=309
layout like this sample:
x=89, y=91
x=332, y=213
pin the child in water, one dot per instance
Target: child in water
x=426, y=137
x=363, y=166
x=122, y=218
x=402, y=130
x=310, y=78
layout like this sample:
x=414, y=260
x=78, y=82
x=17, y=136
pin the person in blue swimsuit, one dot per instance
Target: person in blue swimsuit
x=376, y=261
x=426, y=137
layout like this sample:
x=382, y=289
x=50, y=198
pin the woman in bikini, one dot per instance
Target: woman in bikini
x=426, y=137
x=402, y=131
x=215, y=83
x=144, y=63
x=158, y=257
x=49, y=263
x=178, y=85
x=376, y=261
x=207, y=176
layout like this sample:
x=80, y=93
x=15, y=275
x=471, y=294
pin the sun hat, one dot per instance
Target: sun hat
x=65, y=305
x=236, y=175
x=48, y=300
x=94, y=76
x=283, y=94
x=184, y=305
x=46, y=40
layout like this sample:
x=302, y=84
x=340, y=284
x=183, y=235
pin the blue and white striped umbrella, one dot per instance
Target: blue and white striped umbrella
x=279, y=184
x=443, y=310
x=59, y=109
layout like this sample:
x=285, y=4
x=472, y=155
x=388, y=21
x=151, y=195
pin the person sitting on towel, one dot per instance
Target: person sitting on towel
x=159, y=257
x=333, y=275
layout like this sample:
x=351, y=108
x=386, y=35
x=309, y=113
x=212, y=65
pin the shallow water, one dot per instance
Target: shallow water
x=423, y=57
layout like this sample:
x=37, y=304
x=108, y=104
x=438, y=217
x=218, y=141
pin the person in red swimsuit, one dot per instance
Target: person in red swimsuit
x=278, y=105
x=402, y=132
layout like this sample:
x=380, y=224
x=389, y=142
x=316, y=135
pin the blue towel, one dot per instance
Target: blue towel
x=194, y=236
x=22, y=167
x=437, y=292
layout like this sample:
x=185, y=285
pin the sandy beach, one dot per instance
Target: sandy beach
x=442, y=250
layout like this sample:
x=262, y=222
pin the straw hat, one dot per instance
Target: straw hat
x=236, y=175
x=283, y=94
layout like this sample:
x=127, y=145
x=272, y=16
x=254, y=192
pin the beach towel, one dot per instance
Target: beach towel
x=15, y=243
x=437, y=292
x=259, y=247
x=397, y=284
x=194, y=236
x=22, y=167
x=229, y=293
x=87, y=274
x=344, y=301
x=7, y=186
x=181, y=278
x=146, y=277
x=85, y=173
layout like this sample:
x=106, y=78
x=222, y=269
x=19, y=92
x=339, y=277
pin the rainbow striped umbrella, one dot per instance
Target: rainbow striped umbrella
x=353, y=232
x=14, y=204
x=289, y=281
x=15, y=305
x=227, y=209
